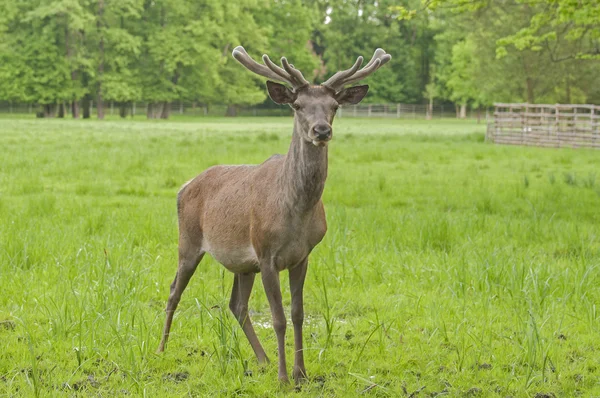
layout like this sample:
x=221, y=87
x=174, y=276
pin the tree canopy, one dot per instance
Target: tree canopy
x=59, y=53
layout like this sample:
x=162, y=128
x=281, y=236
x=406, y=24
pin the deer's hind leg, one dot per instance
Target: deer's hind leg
x=240, y=295
x=189, y=258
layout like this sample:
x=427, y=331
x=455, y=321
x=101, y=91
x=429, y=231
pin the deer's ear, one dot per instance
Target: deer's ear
x=279, y=93
x=351, y=95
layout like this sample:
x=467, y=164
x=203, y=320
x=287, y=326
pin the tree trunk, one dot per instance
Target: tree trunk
x=99, y=25
x=530, y=95
x=478, y=114
x=149, y=110
x=166, y=110
x=123, y=109
x=457, y=109
x=61, y=110
x=231, y=110
x=75, y=109
x=85, y=104
x=430, y=109
x=158, y=109
x=47, y=110
x=463, y=111
x=85, y=101
x=74, y=72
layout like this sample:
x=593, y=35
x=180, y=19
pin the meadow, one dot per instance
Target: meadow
x=451, y=266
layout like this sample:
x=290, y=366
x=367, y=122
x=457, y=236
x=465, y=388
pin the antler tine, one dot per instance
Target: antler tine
x=366, y=71
x=331, y=82
x=240, y=54
x=289, y=75
x=340, y=79
x=271, y=65
x=377, y=54
x=294, y=73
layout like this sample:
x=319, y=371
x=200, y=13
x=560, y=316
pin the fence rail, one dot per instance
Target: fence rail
x=400, y=111
x=559, y=125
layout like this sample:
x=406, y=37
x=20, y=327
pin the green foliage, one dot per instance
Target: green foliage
x=566, y=28
x=73, y=51
x=517, y=68
x=122, y=50
x=357, y=28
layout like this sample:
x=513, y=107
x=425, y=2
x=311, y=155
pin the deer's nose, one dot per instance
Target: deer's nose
x=322, y=132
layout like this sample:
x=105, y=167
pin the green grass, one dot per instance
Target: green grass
x=450, y=266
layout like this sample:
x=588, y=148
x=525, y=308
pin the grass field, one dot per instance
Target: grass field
x=451, y=266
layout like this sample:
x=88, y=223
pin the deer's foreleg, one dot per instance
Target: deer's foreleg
x=297, y=276
x=270, y=279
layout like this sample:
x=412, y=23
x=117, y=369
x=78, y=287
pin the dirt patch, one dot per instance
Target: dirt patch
x=177, y=377
x=7, y=325
x=83, y=384
x=545, y=395
x=473, y=392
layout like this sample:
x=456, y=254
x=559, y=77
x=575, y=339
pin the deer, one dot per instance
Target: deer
x=268, y=218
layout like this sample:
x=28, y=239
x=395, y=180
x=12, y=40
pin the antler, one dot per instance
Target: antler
x=352, y=75
x=288, y=74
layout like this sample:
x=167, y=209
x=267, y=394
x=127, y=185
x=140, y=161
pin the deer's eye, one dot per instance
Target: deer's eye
x=296, y=106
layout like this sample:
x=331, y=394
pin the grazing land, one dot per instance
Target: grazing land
x=451, y=266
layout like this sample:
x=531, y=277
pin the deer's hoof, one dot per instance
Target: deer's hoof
x=264, y=361
x=299, y=376
x=284, y=380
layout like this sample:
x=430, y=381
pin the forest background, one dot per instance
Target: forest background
x=63, y=54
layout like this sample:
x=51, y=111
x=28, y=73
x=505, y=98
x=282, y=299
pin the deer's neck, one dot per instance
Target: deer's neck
x=304, y=173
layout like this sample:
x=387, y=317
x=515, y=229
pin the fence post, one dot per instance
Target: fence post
x=340, y=114
x=111, y=107
x=29, y=109
x=91, y=107
x=397, y=110
x=442, y=112
x=369, y=111
x=354, y=110
x=133, y=109
x=556, y=118
x=414, y=111
x=180, y=107
x=592, y=112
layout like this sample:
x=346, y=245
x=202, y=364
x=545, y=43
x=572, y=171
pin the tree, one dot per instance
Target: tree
x=121, y=48
x=480, y=74
x=42, y=52
x=358, y=28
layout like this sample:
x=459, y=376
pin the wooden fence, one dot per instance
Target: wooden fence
x=573, y=126
x=399, y=111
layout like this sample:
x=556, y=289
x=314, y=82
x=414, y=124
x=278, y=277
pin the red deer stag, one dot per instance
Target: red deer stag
x=266, y=218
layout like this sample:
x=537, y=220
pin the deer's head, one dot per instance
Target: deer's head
x=314, y=105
